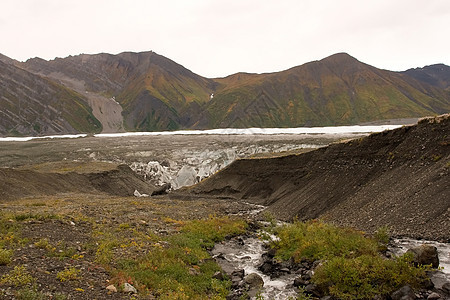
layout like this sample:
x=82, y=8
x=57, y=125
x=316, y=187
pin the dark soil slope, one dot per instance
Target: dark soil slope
x=115, y=180
x=398, y=178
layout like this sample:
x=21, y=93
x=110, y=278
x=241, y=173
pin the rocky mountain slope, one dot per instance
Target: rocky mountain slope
x=396, y=178
x=148, y=92
x=154, y=92
x=33, y=105
x=436, y=75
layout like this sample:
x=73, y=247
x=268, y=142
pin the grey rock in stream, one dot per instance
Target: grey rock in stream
x=425, y=255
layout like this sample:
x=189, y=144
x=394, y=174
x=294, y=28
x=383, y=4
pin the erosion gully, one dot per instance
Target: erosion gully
x=246, y=253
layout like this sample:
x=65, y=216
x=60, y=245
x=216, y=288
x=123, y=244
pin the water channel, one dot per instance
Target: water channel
x=245, y=253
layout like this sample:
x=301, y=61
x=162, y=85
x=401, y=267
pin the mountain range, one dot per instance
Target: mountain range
x=149, y=92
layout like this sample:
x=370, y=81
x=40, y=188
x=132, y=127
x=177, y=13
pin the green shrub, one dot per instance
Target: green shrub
x=5, y=256
x=318, y=240
x=382, y=235
x=19, y=276
x=30, y=293
x=214, y=229
x=366, y=276
x=68, y=274
x=352, y=267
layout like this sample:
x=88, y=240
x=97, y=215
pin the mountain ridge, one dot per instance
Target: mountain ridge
x=146, y=91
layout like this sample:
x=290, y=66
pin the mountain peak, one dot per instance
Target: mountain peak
x=339, y=58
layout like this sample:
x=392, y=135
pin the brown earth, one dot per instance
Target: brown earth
x=56, y=233
x=397, y=178
x=70, y=177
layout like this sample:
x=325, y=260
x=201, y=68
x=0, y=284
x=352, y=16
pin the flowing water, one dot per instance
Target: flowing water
x=246, y=254
x=400, y=246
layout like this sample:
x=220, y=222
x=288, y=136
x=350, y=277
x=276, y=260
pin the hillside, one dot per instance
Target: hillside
x=149, y=92
x=436, y=75
x=33, y=105
x=154, y=92
x=337, y=90
x=396, y=178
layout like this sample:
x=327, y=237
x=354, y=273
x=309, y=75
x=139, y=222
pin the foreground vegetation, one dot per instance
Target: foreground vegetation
x=73, y=247
x=159, y=248
x=352, y=266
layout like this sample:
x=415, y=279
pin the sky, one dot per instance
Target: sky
x=216, y=38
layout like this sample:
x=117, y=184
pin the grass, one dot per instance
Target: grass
x=179, y=267
x=19, y=276
x=5, y=256
x=67, y=274
x=352, y=267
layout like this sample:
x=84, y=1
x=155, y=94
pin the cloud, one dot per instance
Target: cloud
x=218, y=37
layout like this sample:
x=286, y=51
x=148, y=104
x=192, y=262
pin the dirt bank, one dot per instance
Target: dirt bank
x=398, y=178
x=70, y=177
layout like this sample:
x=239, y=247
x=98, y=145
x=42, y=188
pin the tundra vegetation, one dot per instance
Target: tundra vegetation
x=161, y=249
x=351, y=263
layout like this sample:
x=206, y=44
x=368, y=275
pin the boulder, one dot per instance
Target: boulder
x=434, y=296
x=404, y=293
x=111, y=288
x=219, y=275
x=254, y=281
x=446, y=288
x=128, y=288
x=425, y=255
x=299, y=281
x=162, y=190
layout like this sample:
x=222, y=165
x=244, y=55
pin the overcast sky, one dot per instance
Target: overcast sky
x=216, y=38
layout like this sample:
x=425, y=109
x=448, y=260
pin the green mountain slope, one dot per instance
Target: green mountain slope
x=155, y=93
x=337, y=90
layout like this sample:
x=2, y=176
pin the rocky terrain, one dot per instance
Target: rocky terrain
x=396, y=178
x=149, y=92
x=33, y=105
x=73, y=226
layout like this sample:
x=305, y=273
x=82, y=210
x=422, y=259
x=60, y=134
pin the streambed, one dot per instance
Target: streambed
x=246, y=253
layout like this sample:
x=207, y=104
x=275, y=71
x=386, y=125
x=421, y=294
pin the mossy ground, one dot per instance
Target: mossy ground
x=73, y=246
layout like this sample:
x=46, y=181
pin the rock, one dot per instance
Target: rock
x=254, y=281
x=128, y=288
x=267, y=267
x=446, y=288
x=300, y=282
x=137, y=194
x=194, y=272
x=313, y=289
x=111, y=288
x=272, y=252
x=404, y=293
x=434, y=296
x=238, y=273
x=162, y=189
x=425, y=255
x=218, y=275
x=380, y=297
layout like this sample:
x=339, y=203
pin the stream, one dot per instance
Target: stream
x=400, y=246
x=245, y=253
